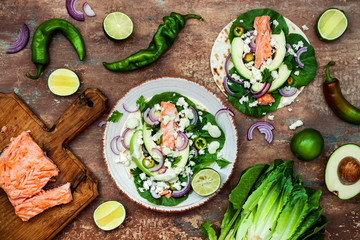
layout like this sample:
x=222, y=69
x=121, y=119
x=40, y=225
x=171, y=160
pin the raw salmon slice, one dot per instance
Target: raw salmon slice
x=24, y=169
x=42, y=201
x=263, y=48
x=267, y=99
x=168, y=127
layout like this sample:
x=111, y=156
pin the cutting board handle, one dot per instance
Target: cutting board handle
x=82, y=112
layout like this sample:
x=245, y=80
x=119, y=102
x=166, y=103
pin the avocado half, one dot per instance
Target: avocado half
x=342, y=174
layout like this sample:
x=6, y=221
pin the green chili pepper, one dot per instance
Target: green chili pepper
x=162, y=40
x=148, y=162
x=42, y=37
x=238, y=31
x=200, y=143
x=336, y=100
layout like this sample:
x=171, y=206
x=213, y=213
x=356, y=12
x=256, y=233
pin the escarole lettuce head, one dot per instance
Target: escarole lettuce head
x=271, y=203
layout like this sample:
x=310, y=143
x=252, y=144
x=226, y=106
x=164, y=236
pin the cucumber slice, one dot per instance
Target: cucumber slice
x=331, y=24
x=117, y=26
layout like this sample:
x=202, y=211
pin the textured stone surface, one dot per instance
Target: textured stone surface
x=188, y=58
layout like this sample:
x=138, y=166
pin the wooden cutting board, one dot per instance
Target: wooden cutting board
x=17, y=117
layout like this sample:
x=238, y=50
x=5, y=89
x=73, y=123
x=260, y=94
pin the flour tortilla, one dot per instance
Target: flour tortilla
x=221, y=49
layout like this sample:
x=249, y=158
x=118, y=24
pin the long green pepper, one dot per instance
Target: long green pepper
x=42, y=37
x=162, y=40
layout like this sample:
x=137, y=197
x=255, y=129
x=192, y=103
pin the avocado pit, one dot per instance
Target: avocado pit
x=349, y=171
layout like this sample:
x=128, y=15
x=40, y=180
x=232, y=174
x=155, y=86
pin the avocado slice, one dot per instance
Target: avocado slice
x=136, y=152
x=342, y=174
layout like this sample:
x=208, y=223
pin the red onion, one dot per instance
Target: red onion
x=123, y=138
x=152, y=116
x=287, y=49
x=70, y=6
x=161, y=160
x=196, y=153
x=298, y=54
x=130, y=111
x=226, y=86
x=262, y=93
x=114, y=145
x=287, y=91
x=148, y=120
x=21, y=40
x=184, y=191
x=255, y=93
x=87, y=10
x=153, y=191
x=228, y=73
x=264, y=127
x=223, y=110
x=196, y=115
x=143, y=148
x=184, y=142
x=102, y=123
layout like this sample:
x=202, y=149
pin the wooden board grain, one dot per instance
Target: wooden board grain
x=17, y=117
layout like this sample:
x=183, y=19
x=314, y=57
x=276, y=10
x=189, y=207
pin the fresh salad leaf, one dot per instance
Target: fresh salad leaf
x=246, y=20
x=208, y=231
x=141, y=103
x=222, y=163
x=115, y=116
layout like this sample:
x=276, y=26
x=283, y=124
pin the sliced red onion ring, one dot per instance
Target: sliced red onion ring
x=123, y=138
x=255, y=93
x=264, y=127
x=224, y=110
x=102, y=123
x=143, y=148
x=298, y=54
x=148, y=120
x=227, y=89
x=184, y=191
x=21, y=40
x=70, y=6
x=87, y=10
x=153, y=191
x=161, y=160
x=130, y=111
x=228, y=73
x=288, y=91
x=262, y=93
x=196, y=115
x=196, y=153
x=184, y=142
x=287, y=49
x=152, y=116
x=114, y=145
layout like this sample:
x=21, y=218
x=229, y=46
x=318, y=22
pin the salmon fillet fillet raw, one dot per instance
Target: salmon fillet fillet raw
x=169, y=129
x=263, y=47
x=42, y=201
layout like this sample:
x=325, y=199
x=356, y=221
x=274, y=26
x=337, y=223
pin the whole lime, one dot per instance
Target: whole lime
x=307, y=144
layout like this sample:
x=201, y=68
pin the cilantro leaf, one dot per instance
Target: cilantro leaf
x=222, y=163
x=115, y=116
x=141, y=102
x=266, y=76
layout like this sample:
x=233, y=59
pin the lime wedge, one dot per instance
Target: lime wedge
x=331, y=24
x=206, y=182
x=63, y=82
x=109, y=215
x=117, y=26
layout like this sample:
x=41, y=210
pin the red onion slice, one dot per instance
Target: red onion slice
x=264, y=127
x=123, y=139
x=223, y=110
x=87, y=10
x=153, y=191
x=130, y=111
x=161, y=160
x=288, y=91
x=21, y=40
x=102, y=123
x=298, y=54
x=184, y=191
x=147, y=120
x=153, y=117
x=226, y=86
x=184, y=142
x=196, y=116
x=70, y=6
x=263, y=93
x=114, y=145
x=255, y=93
x=228, y=73
x=287, y=49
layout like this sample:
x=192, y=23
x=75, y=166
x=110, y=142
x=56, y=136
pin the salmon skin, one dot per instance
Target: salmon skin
x=168, y=126
x=25, y=170
x=263, y=47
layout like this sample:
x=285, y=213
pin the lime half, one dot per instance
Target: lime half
x=331, y=24
x=109, y=215
x=206, y=182
x=117, y=26
x=63, y=82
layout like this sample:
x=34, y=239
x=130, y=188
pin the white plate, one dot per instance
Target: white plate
x=191, y=90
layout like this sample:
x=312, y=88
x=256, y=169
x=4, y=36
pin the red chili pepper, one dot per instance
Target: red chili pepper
x=336, y=100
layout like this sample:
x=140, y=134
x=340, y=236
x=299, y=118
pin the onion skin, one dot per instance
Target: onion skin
x=70, y=7
x=21, y=40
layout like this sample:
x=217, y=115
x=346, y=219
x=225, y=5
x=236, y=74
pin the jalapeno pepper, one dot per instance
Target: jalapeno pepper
x=148, y=162
x=200, y=143
x=42, y=37
x=336, y=100
x=162, y=40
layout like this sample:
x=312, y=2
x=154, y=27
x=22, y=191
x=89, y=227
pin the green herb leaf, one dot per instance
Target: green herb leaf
x=141, y=102
x=115, y=116
x=266, y=76
x=222, y=162
x=208, y=231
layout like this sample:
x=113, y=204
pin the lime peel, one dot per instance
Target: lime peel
x=109, y=215
x=118, y=26
x=206, y=182
x=331, y=24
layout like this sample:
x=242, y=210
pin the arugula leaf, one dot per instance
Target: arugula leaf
x=208, y=231
x=222, y=162
x=141, y=102
x=115, y=116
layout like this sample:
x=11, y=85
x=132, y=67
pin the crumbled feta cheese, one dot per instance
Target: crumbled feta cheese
x=264, y=113
x=176, y=185
x=249, y=65
x=167, y=164
x=297, y=100
x=219, y=155
x=300, y=44
x=291, y=52
x=192, y=163
x=184, y=184
x=296, y=124
x=157, y=136
x=201, y=151
x=304, y=27
x=256, y=73
x=147, y=184
x=253, y=104
x=142, y=176
x=132, y=123
x=246, y=48
x=290, y=109
x=157, y=107
x=244, y=99
x=166, y=151
x=236, y=77
x=187, y=112
x=271, y=117
x=181, y=102
x=247, y=84
x=272, y=42
x=296, y=73
x=247, y=40
x=252, y=80
x=213, y=130
x=241, y=20
x=275, y=22
x=255, y=32
x=184, y=123
x=274, y=74
x=213, y=146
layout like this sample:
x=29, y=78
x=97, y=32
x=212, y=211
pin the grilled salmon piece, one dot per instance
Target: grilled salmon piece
x=267, y=99
x=263, y=47
x=168, y=125
x=42, y=201
x=24, y=169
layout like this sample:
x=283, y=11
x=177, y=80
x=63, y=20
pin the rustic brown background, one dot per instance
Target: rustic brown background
x=188, y=58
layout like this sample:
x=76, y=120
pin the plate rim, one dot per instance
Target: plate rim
x=153, y=207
